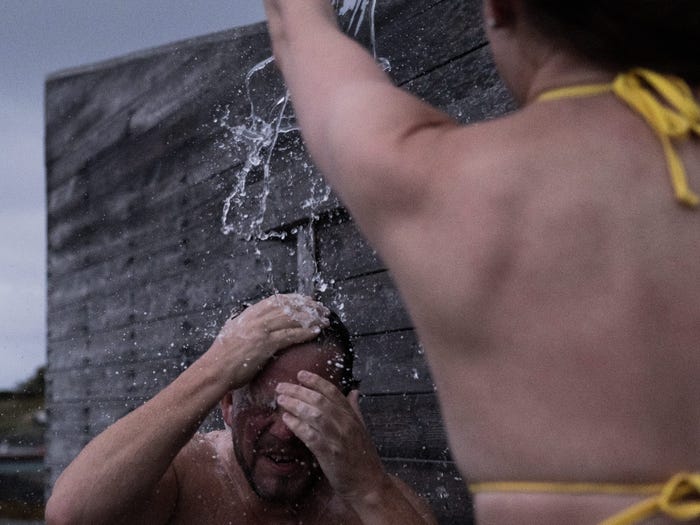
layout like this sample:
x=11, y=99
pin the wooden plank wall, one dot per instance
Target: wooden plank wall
x=140, y=275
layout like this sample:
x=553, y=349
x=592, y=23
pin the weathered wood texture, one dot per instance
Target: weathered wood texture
x=141, y=276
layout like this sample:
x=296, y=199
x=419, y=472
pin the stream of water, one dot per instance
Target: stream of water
x=270, y=130
x=258, y=135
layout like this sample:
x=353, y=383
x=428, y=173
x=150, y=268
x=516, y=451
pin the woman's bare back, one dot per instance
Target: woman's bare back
x=566, y=344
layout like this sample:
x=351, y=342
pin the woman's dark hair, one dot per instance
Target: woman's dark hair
x=663, y=35
x=337, y=334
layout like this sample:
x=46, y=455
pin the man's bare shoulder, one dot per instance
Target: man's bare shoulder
x=202, y=452
x=203, y=471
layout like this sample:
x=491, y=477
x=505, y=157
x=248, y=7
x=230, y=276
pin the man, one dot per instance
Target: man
x=550, y=259
x=295, y=449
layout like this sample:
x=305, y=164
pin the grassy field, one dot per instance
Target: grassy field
x=17, y=423
x=21, y=482
x=13, y=510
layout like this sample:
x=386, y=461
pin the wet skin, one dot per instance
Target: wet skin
x=268, y=475
x=276, y=463
x=152, y=466
x=549, y=273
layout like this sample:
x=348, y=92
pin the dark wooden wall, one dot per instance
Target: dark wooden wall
x=140, y=275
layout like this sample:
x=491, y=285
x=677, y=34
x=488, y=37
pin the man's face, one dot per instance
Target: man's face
x=276, y=463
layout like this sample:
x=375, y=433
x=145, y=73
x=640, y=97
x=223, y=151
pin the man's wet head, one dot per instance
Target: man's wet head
x=277, y=465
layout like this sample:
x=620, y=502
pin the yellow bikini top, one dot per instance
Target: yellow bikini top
x=665, y=102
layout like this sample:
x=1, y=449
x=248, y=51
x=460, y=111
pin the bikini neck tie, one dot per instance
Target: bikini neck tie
x=667, y=104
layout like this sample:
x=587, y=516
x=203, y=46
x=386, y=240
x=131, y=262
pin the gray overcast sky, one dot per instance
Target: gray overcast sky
x=38, y=37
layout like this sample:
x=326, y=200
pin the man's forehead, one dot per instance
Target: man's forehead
x=324, y=360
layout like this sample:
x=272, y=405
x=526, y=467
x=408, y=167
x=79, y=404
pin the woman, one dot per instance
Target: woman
x=550, y=259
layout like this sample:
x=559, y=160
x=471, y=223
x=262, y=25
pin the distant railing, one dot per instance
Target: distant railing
x=20, y=453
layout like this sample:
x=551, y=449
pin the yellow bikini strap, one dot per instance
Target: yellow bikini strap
x=666, y=103
x=679, y=499
x=550, y=487
x=575, y=91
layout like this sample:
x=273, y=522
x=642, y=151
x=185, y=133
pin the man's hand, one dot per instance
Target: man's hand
x=331, y=426
x=247, y=341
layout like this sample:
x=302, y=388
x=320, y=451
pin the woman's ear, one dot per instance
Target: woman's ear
x=499, y=13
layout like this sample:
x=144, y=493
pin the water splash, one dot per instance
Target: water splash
x=358, y=10
x=258, y=136
x=441, y=492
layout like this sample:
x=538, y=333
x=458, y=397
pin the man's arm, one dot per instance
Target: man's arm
x=378, y=146
x=332, y=427
x=125, y=475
